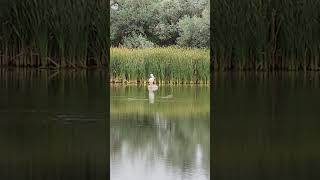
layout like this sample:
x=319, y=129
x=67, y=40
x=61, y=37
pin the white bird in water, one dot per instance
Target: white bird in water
x=151, y=79
x=151, y=88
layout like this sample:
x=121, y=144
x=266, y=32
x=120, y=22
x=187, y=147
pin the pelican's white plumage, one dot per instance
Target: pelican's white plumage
x=151, y=88
x=151, y=79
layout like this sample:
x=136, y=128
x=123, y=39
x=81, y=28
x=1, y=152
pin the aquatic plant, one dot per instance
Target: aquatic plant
x=265, y=35
x=44, y=33
x=170, y=65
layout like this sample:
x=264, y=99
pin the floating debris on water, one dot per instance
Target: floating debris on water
x=136, y=99
x=167, y=97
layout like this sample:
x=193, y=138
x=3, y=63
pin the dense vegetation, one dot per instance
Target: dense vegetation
x=266, y=35
x=149, y=23
x=168, y=38
x=170, y=65
x=60, y=33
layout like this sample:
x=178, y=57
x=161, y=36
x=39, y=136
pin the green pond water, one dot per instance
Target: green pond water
x=266, y=126
x=160, y=135
x=53, y=125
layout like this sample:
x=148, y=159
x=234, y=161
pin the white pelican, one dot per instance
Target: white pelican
x=151, y=79
x=151, y=88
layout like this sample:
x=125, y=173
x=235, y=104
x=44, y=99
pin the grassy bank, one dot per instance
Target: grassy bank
x=45, y=33
x=266, y=35
x=169, y=65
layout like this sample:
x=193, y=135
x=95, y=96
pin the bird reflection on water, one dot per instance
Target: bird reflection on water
x=152, y=89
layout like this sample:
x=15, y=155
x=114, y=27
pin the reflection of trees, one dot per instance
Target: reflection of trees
x=175, y=141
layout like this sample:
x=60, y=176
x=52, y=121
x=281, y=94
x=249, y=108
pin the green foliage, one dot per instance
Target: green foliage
x=61, y=33
x=169, y=65
x=157, y=20
x=266, y=35
x=194, y=31
x=137, y=42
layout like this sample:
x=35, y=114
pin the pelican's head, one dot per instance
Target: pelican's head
x=151, y=75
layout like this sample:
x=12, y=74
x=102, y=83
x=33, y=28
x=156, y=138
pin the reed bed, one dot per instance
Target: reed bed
x=45, y=33
x=265, y=35
x=170, y=65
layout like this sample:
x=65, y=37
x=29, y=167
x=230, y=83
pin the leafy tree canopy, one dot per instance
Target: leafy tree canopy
x=160, y=23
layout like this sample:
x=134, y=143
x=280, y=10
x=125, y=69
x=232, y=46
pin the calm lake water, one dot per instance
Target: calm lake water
x=53, y=125
x=160, y=135
x=267, y=126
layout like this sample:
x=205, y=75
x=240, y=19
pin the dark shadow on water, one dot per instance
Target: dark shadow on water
x=53, y=125
x=266, y=126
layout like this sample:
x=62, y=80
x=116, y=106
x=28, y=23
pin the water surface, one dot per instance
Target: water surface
x=53, y=125
x=266, y=126
x=160, y=135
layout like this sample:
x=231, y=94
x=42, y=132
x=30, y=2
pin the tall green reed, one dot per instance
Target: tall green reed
x=266, y=35
x=169, y=65
x=60, y=33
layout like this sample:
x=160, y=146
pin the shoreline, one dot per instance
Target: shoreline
x=136, y=82
x=170, y=65
x=140, y=84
